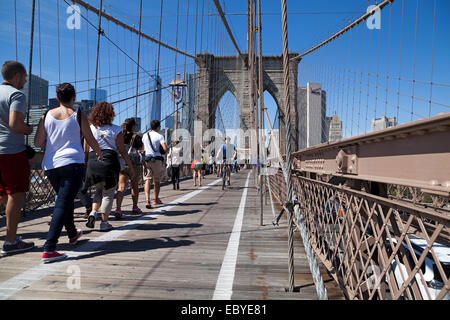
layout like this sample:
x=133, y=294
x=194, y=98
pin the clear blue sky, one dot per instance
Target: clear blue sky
x=309, y=23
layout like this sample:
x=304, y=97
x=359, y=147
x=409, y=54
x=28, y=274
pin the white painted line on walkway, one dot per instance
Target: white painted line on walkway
x=11, y=286
x=224, y=285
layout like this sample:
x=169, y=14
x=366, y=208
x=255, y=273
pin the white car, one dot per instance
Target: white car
x=429, y=269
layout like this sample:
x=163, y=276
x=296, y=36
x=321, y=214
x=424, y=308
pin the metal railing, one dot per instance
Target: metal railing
x=377, y=218
x=374, y=247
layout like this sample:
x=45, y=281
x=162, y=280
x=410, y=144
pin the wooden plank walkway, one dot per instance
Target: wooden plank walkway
x=174, y=251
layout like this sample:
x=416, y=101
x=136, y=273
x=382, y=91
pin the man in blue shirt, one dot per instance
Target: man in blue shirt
x=225, y=158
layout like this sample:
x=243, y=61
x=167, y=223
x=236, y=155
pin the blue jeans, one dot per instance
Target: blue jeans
x=66, y=182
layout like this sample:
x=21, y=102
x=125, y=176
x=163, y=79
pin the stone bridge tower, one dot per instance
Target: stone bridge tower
x=217, y=75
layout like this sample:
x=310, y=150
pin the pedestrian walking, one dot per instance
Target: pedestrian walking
x=203, y=160
x=225, y=158
x=210, y=164
x=104, y=175
x=174, y=161
x=154, y=144
x=133, y=144
x=14, y=164
x=59, y=132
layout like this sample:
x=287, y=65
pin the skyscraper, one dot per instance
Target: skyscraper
x=39, y=90
x=335, y=129
x=190, y=103
x=154, y=112
x=312, y=110
x=85, y=106
x=35, y=116
x=53, y=103
x=383, y=123
x=138, y=123
x=102, y=95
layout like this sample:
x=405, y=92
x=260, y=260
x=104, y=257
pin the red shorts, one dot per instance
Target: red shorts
x=14, y=173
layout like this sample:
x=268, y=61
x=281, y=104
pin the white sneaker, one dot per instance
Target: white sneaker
x=91, y=220
x=105, y=226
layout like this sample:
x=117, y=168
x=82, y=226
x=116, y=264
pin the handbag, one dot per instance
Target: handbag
x=170, y=168
x=161, y=149
x=135, y=156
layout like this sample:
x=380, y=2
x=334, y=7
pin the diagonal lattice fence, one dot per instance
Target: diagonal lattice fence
x=374, y=247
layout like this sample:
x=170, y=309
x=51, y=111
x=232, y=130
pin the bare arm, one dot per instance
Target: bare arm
x=17, y=125
x=121, y=147
x=89, y=137
x=41, y=136
x=164, y=145
x=86, y=150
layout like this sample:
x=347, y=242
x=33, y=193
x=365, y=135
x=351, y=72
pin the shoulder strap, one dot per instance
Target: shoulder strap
x=131, y=143
x=151, y=143
x=79, y=123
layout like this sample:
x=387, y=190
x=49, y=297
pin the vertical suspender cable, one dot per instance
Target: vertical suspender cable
x=125, y=64
x=138, y=61
x=201, y=27
x=261, y=157
x=75, y=55
x=400, y=62
x=196, y=20
x=100, y=31
x=291, y=197
x=287, y=112
x=40, y=51
x=15, y=28
x=388, y=58
x=159, y=49
x=175, y=106
x=187, y=34
x=59, y=43
x=87, y=53
x=109, y=59
x=432, y=59
x=414, y=65
x=117, y=59
x=30, y=69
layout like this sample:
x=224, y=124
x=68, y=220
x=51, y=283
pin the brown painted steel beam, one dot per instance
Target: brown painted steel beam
x=416, y=154
x=130, y=28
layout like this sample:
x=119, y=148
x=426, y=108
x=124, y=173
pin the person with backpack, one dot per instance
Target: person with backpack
x=60, y=132
x=155, y=146
x=133, y=144
x=14, y=163
x=104, y=175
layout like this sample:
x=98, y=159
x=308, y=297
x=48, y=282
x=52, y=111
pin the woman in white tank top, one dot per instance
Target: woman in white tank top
x=60, y=132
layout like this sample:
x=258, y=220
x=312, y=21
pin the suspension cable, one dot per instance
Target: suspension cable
x=139, y=58
x=291, y=197
x=432, y=58
x=59, y=43
x=100, y=31
x=15, y=28
x=133, y=30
